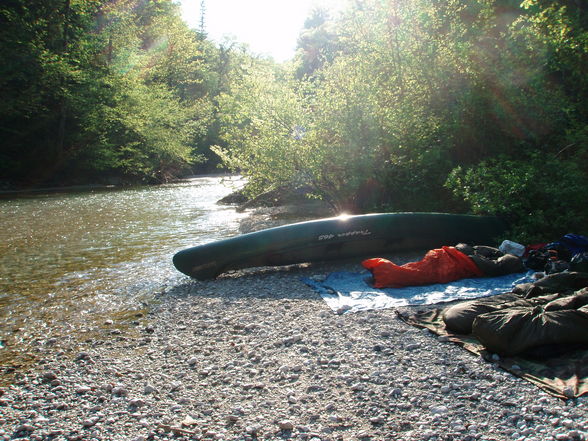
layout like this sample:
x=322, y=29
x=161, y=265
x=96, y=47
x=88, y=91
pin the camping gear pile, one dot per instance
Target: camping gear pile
x=446, y=264
x=541, y=327
x=568, y=253
x=552, y=311
x=524, y=308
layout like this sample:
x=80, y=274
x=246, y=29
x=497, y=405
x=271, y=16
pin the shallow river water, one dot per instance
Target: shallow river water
x=72, y=258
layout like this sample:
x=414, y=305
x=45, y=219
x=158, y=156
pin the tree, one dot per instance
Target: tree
x=413, y=91
x=317, y=44
x=261, y=123
x=73, y=62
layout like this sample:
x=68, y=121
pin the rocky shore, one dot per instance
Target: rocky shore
x=259, y=355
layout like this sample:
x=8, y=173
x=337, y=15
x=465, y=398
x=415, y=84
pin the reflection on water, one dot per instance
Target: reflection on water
x=66, y=258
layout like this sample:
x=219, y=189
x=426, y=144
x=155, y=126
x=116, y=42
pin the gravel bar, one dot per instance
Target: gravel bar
x=259, y=355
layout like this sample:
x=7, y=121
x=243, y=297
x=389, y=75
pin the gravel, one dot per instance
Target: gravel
x=258, y=355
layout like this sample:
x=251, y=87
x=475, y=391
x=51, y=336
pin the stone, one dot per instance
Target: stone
x=254, y=429
x=148, y=389
x=120, y=391
x=83, y=389
x=286, y=425
x=89, y=422
x=137, y=402
x=49, y=376
x=438, y=410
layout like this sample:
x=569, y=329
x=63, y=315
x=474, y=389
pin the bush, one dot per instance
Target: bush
x=542, y=198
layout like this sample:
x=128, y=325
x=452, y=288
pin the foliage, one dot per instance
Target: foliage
x=541, y=197
x=38, y=77
x=261, y=118
x=142, y=133
x=317, y=44
x=391, y=105
x=96, y=90
x=403, y=102
x=539, y=187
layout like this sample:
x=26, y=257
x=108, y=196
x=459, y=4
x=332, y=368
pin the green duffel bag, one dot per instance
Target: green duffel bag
x=517, y=329
x=460, y=317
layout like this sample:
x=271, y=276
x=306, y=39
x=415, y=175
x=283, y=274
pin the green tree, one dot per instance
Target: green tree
x=317, y=44
x=413, y=91
x=261, y=119
x=141, y=133
x=43, y=45
x=97, y=89
x=541, y=197
x=539, y=188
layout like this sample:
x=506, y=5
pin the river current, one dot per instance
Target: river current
x=68, y=259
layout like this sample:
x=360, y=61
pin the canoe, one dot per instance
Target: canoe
x=343, y=237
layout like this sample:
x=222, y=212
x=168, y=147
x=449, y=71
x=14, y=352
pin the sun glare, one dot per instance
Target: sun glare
x=268, y=27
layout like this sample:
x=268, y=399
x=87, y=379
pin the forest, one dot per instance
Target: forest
x=470, y=106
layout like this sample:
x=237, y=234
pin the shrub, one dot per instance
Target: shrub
x=542, y=198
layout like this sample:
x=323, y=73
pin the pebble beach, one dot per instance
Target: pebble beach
x=258, y=355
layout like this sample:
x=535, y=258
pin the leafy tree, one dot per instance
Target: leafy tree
x=261, y=120
x=317, y=44
x=540, y=187
x=412, y=91
x=140, y=133
x=562, y=28
x=96, y=89
x=43, y=48
x=540, y=197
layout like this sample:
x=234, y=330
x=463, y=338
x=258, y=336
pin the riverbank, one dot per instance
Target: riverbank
x=258, y=355
x=9, y=190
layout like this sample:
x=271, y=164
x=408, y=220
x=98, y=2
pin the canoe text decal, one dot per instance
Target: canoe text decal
x=345, y=234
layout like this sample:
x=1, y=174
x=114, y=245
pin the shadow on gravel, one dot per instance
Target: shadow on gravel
x=283, y=282
x=280, y=282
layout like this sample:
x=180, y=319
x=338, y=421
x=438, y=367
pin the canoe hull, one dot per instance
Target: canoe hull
x=337, y=238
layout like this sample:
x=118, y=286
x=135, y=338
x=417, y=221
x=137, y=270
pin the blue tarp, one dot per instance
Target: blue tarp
x=351, y=292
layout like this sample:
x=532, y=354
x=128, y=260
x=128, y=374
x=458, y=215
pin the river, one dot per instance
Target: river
x=70, y=261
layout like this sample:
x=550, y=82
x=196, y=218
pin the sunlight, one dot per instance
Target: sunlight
x=266, y=26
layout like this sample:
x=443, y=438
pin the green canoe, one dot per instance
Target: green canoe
x=370, y=235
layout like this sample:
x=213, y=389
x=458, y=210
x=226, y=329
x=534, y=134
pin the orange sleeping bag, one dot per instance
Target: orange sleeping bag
x=441, y=265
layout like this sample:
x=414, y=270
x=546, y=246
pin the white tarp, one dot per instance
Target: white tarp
x=352, y=292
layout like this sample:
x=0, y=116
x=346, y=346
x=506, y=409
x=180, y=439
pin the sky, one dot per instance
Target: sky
x=269, y=27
